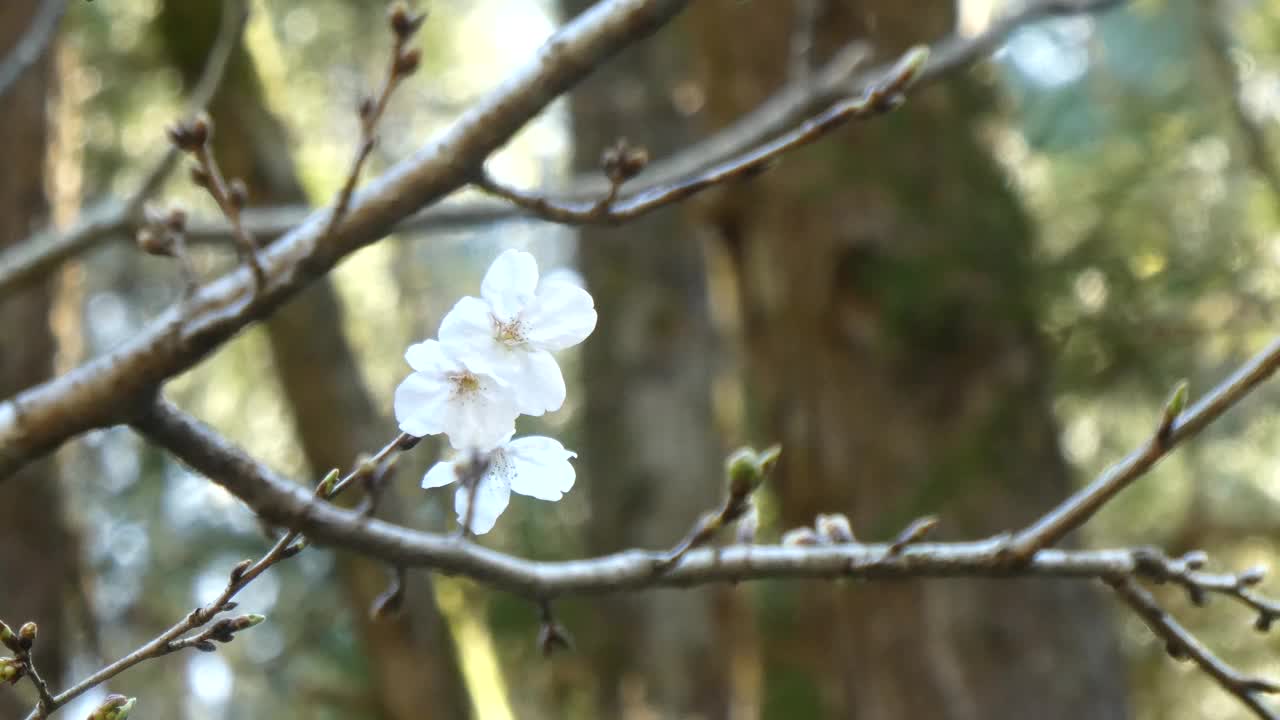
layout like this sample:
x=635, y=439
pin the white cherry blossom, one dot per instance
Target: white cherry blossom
x=443, y=395
x=510, y=331
x=535, y=466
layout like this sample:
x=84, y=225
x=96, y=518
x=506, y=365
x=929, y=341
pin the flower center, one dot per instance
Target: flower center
x=510, y=334
x=465, y=383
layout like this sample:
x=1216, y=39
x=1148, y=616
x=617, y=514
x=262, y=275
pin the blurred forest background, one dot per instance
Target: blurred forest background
x=963, y=308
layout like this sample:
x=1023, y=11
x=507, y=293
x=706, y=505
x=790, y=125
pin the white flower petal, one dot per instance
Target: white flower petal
x=480, y=419
x=562, y=315
x=539, y=467
x=429, y=357
x=492, y=497
x=468, y=327
x=440, y=474
x=421, y=402
x=510, y=283
x=538, y=383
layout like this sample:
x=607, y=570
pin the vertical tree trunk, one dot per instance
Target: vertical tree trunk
x=414, y=666
x=650, y=454
x=893, y=351
x=35, y=549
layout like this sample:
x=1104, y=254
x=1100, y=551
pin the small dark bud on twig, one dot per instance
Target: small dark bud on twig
x=914, y=532
x=408, y=61
x=1252, y=576
x=205, y=646
x=200, y=177
x=799, y=537
x=1197, y=595
x=237, y=572
x=622, y=161
x=1176, y=651
x=404, y=23
x=176, y=219
x=834, y=528
x=192, y=135
x=365, y=108
x=1263, y=623
x=238, y=193
x=551, y=637
x=154, y=242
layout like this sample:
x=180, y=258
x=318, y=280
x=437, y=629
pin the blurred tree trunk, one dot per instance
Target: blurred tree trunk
x=412, y=657
x=35, y=548
x=892, y=349
x=650, y=453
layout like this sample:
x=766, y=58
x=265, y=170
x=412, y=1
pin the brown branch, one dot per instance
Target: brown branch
x=401, y=64
x=1170, y=431
x=109, y=389
x=177, y=638
x=835, y=555
x=45, y=251
x=32, y=44
x=880, y=97
x=1182, y=644
x=833, y=81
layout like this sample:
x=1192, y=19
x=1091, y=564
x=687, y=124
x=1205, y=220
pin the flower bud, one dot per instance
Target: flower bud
x=153, y=242
x=799, y=537
x=742, y=469
x=835, y=529
x=237, y=572
x=9, y=638
x=12, y=670
x=27, y=635
x=408, y=61
x=176, y=219
x=404, y=23
x=116, y=707
x=325, y=488
x=623, y=161
x=244, y=622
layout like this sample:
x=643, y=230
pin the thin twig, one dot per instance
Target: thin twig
x=1077, y=509
x=401, y=64
x=32, y=44
x=173, y=640
x=111, y=388
x=1182, y=644
x=836, y=79
x=40, y=254
x=880, y=97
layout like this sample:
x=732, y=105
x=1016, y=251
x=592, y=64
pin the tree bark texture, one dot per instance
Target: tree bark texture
x=892, y=348
x=649, y=447
x=37, y=561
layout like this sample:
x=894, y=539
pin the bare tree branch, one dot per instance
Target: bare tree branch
x=827, y=556
x=1171, y=431
x=29, y=49
x=880, y=97
x=836, y=80
x=1182, y=644
x=109, y=389
x=43, y=252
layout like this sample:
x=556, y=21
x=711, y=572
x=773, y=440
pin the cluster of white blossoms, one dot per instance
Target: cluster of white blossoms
x=492, y=363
